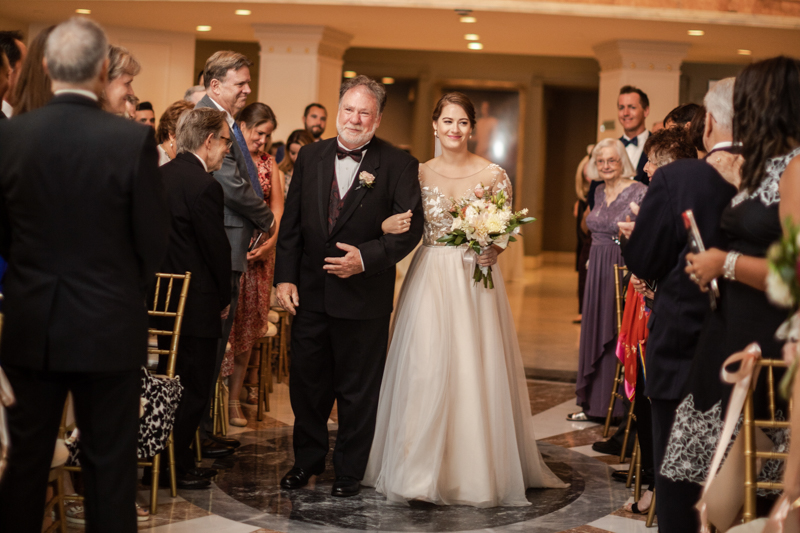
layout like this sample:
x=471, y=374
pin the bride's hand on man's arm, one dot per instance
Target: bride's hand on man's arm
x=396, y=224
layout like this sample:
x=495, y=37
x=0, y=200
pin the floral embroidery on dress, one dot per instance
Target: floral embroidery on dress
x=769, y=190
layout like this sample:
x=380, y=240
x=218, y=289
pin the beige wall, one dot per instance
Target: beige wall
x=695, y=78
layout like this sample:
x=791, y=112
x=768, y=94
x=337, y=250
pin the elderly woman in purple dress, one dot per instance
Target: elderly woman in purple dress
x=612, y=204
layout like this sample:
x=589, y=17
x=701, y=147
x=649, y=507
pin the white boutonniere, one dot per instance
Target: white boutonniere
x=365, y=179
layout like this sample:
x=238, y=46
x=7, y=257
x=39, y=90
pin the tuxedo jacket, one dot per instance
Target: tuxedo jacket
x=84, y=226
x=657, y=250
x=244, y=210
x=304, y=241
x=197, y=244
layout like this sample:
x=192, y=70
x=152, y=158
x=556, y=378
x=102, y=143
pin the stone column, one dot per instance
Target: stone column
x=300, y=65
x=652, y=66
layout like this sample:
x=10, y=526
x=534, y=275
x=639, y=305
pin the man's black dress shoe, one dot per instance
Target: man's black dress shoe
x=225, y=441
x=213, y=450
x=190, y=482
x=345, y=486
x=205, y=473
x=295, y=478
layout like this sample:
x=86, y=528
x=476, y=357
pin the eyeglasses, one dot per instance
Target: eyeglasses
x=228, y=142
x=610, y=162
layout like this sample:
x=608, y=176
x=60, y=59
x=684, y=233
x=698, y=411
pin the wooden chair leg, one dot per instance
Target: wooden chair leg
x=154, y=484
x=612, y=400
x=631, y=469
x=262, y=356
x=198, y=451
x=637, y=488
x=173, y=480
x=631, y=417
x=651, y=514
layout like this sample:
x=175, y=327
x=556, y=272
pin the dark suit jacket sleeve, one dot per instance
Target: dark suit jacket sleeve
x=150, y=213
x=654, y=243
x=387, y=251
x=290, y=239
x=240, y=197
x=207, y=219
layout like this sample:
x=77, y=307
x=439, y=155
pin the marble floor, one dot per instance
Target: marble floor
x=245, y=497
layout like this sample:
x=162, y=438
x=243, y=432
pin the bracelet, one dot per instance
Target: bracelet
x=729, y=268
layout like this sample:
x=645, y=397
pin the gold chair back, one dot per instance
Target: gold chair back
x=619, y=303
x=162, y=309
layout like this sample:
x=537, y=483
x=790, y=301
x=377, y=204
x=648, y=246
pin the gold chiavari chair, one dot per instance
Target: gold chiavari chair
x=749, y=428
x=284, y=334
x=267, y=346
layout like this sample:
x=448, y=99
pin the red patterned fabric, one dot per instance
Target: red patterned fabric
x=634, y=333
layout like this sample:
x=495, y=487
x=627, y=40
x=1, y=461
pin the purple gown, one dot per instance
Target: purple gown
x=597, y=361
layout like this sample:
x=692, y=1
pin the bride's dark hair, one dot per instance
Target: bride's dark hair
x=459, y=99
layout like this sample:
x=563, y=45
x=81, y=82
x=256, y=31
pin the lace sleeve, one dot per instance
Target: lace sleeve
x=503, y=182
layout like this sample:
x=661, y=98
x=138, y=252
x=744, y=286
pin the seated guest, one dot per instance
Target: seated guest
x=122, y=68
x=145, y=114
x=33, y=85
x=165, y=133
x=297, y=139
x=197, y=244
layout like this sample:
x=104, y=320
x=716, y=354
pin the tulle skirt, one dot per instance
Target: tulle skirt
x=454, y=421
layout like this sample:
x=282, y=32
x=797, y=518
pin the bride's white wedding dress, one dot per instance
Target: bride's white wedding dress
x=454, y=421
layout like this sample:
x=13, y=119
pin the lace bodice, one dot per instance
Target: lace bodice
x=438, y=192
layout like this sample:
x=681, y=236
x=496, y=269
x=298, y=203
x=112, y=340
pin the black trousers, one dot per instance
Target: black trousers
x=644, y=425
x=675, y=500
x=107, y=414
x=342, y=360
x=195, y=366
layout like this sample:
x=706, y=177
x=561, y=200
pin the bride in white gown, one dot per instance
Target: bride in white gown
x=454, y=421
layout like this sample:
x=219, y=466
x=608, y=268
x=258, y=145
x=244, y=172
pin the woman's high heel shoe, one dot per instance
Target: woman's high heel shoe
x=236, y=417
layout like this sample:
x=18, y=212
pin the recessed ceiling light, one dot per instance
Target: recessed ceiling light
x=743, y=52
x=203, y=28
x=387, y=80
x=349, y=74
x=468, y=19
x=696, y=33
x=243, y=12
x=83, y=11
x=475, y=46
x=472, y=37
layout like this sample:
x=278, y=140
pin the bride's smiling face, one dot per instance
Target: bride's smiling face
x=453, y=127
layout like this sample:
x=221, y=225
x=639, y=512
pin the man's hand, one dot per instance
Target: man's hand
x=288, y=297
x=346, y=266
x=641, y=287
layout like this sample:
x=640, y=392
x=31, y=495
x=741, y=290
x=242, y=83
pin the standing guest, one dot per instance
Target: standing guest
x=598, y=360
x=5, y=70
x=75, y=313
x=582, y=186
x=257, y=122
x=681, y=116
x=34, y=84
x=15, y=51
x=122, y=67
x=315, y=118
x=657, y=250
x=165, y=133
x=227, y=81
x=194, y=94
x=145, y=114
x=197, y=244
x=297, y=139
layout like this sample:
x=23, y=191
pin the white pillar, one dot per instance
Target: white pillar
x=300, y=65
x=653, y=67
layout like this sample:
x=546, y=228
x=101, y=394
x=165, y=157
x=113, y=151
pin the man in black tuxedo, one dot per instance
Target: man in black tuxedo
x=84, y=226
x=197, y=244
x=657, y=250
x=335, y=271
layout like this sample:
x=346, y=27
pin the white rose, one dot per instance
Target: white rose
x=777, y=291
x=457, y=222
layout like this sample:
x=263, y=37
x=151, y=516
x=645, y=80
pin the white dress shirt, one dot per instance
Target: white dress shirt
x=228, y=117
x=723, y=144
x=82, y=92
x=635, y=152
x=347, y=168
x=8, y=111
x=201, y=160
x=163, y=156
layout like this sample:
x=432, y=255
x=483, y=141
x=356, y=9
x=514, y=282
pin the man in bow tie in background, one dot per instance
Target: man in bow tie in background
x=335, y=271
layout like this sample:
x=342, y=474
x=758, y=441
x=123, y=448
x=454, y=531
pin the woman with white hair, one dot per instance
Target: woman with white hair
x=612, y=204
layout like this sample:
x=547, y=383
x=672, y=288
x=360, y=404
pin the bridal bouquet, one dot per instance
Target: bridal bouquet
x=482, y=222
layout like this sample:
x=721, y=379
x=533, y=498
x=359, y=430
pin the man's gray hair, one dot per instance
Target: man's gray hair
x=373, y=86
x=75, y=50
x=195, y=125
x=218, y=65
x=191, y=91
x=719, y=102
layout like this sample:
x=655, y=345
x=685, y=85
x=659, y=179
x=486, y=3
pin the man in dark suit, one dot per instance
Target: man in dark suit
x=657, y=251
x=84, y=226
x=5, y=71
x=197, y=244
x=335, y=271
x=227, y=81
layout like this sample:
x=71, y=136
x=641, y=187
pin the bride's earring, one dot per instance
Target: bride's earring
x=436, y=133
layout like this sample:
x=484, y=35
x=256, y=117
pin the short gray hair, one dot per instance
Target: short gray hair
x=195, y=125
x=191, y=92
x=719, y=103
x=373, y=86
x=218, y=65
x=120, y=61
x=75, y=50
x=627, y=167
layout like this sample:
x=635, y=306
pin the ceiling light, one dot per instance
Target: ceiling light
x=83, y=11
x=468, y=19
x=349, y=74
x=472, y=37
x=475, y=46
x=387, y=80
x=243, y=12
x=696, y=33
x=203, y=28
x=743, y=52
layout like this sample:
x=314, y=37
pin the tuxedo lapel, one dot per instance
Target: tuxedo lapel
x=325, y=170
x=371, y=163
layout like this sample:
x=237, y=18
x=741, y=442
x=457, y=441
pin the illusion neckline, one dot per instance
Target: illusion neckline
x=459, y=178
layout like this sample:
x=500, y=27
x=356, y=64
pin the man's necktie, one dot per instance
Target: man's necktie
x=248, y=160
x=626, y=142
x=356, y=155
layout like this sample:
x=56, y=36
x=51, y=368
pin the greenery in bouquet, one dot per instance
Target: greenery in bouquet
x=483, y=220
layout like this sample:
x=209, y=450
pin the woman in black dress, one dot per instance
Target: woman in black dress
x=767, y=124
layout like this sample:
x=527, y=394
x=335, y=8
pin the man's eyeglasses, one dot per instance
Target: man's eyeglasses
x=228, y=142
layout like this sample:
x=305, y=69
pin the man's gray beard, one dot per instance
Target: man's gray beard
x=361, y=140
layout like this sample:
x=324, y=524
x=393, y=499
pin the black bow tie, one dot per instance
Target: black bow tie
x=356, y=155
x=626, y=142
